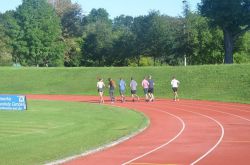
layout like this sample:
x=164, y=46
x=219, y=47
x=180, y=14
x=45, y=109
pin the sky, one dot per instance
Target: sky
x=118, y=7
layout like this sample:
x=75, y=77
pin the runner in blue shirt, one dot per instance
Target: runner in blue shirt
x=122, y=87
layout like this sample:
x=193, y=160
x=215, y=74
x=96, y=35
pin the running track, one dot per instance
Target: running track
x=184, y=132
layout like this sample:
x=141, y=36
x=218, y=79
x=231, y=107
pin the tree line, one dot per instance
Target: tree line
x=57, y=33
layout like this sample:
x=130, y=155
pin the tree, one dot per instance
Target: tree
x=96, y=15
x=232, y=16
x=5, y=53
x=123, y=41
x=13, y=30
x=242, y=48
x=72, y=56
x=71, y=21
x=39, y=37
x=208, y=42
x=202, y=44
x=70, y=15
x=156, y=37
x=123, y=45
x=123, y=22
x=97, y=38
x=139, y=29
x=60, y=6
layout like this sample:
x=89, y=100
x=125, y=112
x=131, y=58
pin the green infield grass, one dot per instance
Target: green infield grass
x=52, y=130
x=230, y=83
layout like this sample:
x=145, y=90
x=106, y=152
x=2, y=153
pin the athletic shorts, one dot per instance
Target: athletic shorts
x=150, y=90
x=133, y=91
x=122, y=92
x=100, y=89
x=175, y=89
x=145, y=91
x=111, y=91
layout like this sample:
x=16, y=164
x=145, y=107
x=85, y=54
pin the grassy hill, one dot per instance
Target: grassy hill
x=209, y=82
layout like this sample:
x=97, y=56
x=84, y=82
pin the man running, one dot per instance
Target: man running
x=122, y=86
x=175, y=84
x=151, y=88
x=133, y=85
x=111, y=90
x=145, y=85
x=100, y=88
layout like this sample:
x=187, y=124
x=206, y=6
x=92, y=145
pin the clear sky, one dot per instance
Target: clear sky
x=117, y=7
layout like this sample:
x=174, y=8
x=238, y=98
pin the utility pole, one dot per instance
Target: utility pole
x=185, y=12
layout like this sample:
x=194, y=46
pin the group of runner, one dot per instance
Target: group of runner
x=147, y=85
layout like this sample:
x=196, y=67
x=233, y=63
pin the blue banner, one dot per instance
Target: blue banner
x=13, y=102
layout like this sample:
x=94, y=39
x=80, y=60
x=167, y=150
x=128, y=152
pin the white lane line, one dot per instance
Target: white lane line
x=218, y=142
x=218, y=106
x=243, y=118
x=222, y=128
x=231, y=105
x=208, y=109
x=163, y=145
x=101, y=148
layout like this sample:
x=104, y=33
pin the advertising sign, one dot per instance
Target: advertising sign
x=13, y=102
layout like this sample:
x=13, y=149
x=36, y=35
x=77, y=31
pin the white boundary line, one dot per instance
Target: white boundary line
x=219, y=111
x=231, y=114
x=218, y=142
x=163, y=145
x=123, y=139
x=97, y=149
x=222, y=103
x=222, y=128
x=128, y=137
x=218, y=106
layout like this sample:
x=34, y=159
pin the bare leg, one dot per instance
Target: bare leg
x=152, y=97
x=137, y=97
x=149, y=96
x=112, y=97
x=133, y=97
x=122, y=98
x=175, y=96
x=146, y=97
x=101, y=97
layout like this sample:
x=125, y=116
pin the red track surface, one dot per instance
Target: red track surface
x=184, y=132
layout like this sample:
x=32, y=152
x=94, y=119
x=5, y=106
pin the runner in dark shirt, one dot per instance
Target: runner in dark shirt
x=111, y=90
x=151, y=88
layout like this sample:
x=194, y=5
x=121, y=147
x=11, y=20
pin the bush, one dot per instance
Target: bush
x=144, y=61
x=241, y=58
x=6, y=60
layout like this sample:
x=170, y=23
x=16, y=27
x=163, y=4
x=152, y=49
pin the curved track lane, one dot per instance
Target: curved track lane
x=184, y=132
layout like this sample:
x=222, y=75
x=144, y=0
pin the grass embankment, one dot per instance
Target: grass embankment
x=52, y=130
x=229, y=83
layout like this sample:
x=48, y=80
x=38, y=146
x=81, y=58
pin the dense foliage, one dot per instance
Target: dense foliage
x=56, y=33
x=232, y=16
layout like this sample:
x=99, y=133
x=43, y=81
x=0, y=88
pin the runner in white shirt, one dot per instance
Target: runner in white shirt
x=100, y=88
x=175, y=84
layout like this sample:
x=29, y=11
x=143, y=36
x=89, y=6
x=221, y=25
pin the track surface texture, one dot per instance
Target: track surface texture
x=183, y=132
